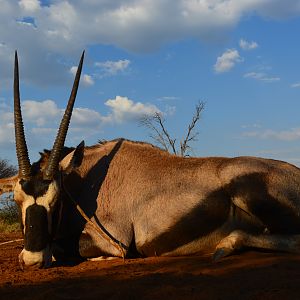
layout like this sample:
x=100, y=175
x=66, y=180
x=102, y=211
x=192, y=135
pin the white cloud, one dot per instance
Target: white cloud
x=170, y=110
x=247, y=126
x=6, y=134
x=64, y=28
x=261, y=76
x=41, y=113
x=85, y=117
x=61, y=28
x=245, y=45
x=29, y=6
x=283, y=135
x=295, y=85
x=227, y=61
x=6, y=125
x=42, y=118
x=125, y=109
x=42, y=131
x=86, y=79
x=278, y=9
x=110, y=68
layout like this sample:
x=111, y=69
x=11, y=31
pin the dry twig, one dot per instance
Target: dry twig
x=161, y=136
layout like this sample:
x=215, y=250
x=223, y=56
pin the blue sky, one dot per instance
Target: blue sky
x=240, y=57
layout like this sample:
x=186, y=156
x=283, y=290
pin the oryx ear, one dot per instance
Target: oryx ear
x=7, y=185
x=76, y=159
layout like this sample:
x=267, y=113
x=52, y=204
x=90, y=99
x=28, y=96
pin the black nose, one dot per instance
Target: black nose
x=36, y=228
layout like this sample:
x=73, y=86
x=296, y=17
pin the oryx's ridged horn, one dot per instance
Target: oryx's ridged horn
x=63, y=128
x=21, y=147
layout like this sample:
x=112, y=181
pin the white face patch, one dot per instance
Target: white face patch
x=23, y=200
x=26, y=203
x=48, y=200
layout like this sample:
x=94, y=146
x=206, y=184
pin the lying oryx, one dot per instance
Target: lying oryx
x=137, y=199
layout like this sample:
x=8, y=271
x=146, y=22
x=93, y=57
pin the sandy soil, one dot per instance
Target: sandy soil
x=250, y=275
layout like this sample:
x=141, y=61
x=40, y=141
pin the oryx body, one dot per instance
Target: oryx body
x=161, y=204
x=135, y=198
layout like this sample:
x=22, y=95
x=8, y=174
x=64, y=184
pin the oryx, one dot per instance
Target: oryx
x=135, y=198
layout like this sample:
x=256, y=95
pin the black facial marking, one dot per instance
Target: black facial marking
x=36, y=228
x=35, y=187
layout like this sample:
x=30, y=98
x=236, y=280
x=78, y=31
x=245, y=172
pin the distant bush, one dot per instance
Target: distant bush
x=9, y=215
x=6, y=170
x=9, y=211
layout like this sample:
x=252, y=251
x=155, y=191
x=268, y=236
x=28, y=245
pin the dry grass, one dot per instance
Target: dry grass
x=9, y=216
x=8, y=228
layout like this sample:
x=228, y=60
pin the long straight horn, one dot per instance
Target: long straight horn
x=21, y=147
x=52, y=166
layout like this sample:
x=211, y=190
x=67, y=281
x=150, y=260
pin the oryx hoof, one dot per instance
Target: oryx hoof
x=221, y=253
x=230, y=244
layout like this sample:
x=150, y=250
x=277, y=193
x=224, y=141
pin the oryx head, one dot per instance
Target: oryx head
x=37, y=186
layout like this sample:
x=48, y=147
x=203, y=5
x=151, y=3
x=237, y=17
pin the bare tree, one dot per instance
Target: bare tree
x=191, y=136
x=158, y=132
x=6, y=170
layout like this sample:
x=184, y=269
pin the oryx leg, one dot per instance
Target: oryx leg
x=95, y=247
x=89, y=247
x=239, y=239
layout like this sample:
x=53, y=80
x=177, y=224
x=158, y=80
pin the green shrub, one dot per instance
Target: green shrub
x=9, y=215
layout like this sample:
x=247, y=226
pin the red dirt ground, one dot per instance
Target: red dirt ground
x=250, y=275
